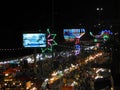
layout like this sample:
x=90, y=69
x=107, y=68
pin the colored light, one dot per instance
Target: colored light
x=50, y=41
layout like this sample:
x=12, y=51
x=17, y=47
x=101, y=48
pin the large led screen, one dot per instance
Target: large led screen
x=34, y=40
x=71, y=34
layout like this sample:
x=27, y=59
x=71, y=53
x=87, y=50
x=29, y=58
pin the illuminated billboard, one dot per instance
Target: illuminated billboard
x=70, y=35
x=34, y=40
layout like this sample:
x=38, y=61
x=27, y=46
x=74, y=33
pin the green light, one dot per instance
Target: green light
x=50, y=42
x=91, y=33
x=105, y=37
x=95, y=40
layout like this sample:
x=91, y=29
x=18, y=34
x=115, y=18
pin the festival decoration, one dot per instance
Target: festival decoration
x=50, y=41
x=104, y=34
x=77, y=49
x=77, y=41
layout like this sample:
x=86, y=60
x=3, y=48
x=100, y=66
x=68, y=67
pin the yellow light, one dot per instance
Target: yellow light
x=6, y=74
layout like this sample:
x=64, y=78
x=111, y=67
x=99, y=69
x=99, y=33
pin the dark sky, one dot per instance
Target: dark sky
x=19, y=17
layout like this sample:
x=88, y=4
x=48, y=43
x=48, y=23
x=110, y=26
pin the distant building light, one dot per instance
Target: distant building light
x=99, y=9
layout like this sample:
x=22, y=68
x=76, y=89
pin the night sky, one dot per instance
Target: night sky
x=19, y=17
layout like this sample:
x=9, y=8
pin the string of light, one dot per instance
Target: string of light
x=12, y=49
